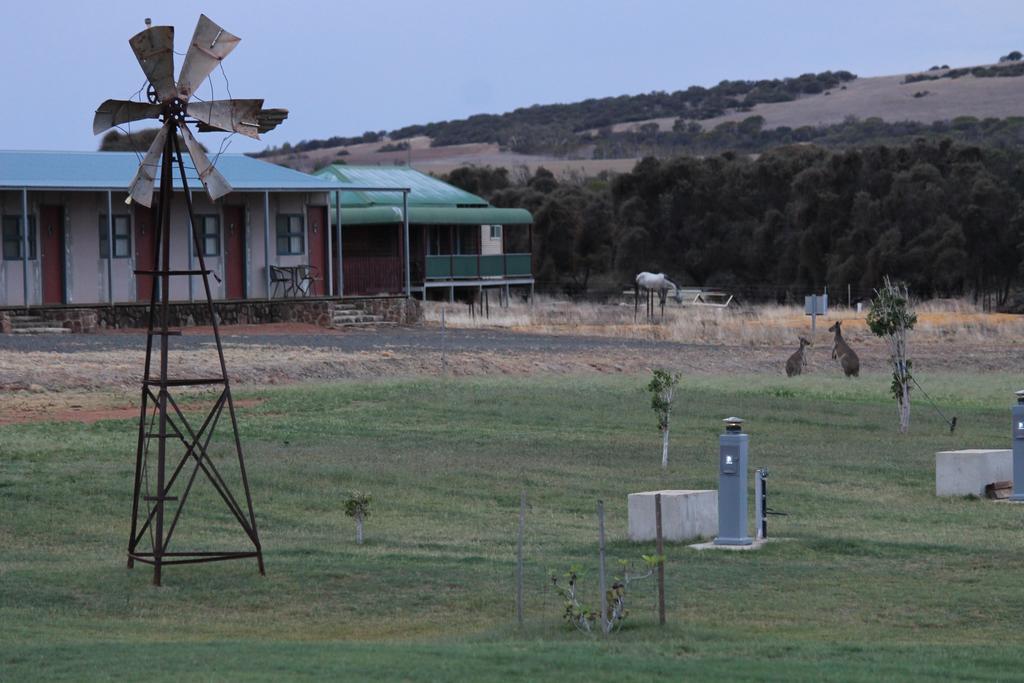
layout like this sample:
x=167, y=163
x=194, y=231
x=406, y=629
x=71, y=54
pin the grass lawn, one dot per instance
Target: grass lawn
x=880, y=579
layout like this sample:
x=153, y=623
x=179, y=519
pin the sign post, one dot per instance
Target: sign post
x=815, y=305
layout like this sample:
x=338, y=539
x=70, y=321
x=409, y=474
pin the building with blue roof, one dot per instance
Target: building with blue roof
x=69, y=237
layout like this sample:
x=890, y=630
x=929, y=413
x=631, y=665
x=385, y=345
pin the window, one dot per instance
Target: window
x=290, y=237
x=495, y=232
x=209, y=234
x=122, y=236
x=12, y=238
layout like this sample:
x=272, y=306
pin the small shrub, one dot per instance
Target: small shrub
x=585, y=618
x=662, y=388
x=358, y=507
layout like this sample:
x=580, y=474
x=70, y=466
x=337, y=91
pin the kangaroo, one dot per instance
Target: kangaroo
x=798, y=361
x=842, y=351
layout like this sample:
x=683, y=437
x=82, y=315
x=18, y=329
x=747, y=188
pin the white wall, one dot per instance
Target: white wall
x=281, y=203
x=12, y=284
x=86, y=272
x=489, y=245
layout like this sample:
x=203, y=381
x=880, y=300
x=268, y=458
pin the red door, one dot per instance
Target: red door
x=51, y=236
x=234, y=251
x=144, y=254
x=316, y=229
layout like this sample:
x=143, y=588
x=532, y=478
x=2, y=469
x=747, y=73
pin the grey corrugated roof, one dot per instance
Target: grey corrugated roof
x=115, y=170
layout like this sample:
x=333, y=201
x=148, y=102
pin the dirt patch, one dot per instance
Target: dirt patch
x=84, y=408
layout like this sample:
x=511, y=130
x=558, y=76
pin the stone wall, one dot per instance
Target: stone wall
x=316, y=312
x=401, y=311
x=312, y=311
x=75, y=319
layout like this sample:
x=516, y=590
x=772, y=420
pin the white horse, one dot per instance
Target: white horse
x=651, y=283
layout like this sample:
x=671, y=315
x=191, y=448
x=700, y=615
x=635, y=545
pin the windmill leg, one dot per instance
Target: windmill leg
x=636, y=301
x=251, y=531
x=138, y=475
x=144, y=409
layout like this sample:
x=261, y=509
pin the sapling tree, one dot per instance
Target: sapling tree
x=662, y=388
x=358, y=507
x=891, y=317
x=586, y=618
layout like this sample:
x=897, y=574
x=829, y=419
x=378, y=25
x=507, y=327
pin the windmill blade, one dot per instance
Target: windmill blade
x=216, y=185
x=239, y=116
x=210, y=44
x=114, y=112
x=141, y=189
x=154, y=48
x=269, y=119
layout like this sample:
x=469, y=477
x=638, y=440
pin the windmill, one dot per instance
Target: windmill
x=162, y=421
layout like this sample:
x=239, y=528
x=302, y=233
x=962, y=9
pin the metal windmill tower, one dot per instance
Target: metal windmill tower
x=162, y=423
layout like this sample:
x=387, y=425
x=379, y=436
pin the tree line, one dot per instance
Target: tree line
x=554, y=128
x=1009, y=67
x=946, y=218
x=750, y=136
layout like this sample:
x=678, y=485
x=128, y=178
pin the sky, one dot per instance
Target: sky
x=345, y=67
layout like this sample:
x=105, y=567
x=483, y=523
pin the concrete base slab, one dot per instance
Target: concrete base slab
x=685, y=514
x=757, y=544
x=966, y=472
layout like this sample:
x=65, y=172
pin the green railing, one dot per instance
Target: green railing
x=460, y=266
x=518, y=265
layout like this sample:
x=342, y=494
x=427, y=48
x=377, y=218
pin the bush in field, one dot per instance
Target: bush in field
x=891, y=318
x=357, y=506
x=662, y=388
x=586, y=618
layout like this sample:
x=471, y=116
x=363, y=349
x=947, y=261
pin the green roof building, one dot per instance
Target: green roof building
x=454, y=239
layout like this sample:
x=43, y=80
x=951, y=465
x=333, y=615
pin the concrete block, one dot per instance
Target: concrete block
x=685, y=515
x=960, y=473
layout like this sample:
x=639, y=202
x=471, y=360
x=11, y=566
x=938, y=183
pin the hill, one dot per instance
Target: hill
x=833, y=109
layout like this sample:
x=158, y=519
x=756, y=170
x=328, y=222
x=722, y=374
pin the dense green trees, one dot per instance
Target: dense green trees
x=946, y=218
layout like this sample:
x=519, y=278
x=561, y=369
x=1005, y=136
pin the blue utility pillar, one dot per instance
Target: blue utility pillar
x=1018, y=448
x=732, y=484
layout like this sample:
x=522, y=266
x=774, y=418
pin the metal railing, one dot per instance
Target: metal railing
x=469, y=266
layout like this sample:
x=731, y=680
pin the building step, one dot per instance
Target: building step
x=41, y=330
x=346, y=319
x=29, y=324
x=379, y=323
x=25, y=318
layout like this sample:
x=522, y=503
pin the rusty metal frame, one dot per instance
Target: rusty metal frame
x=159, y=406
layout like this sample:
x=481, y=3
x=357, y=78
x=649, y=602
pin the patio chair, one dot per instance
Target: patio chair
x=307, y=282
x=281, y=279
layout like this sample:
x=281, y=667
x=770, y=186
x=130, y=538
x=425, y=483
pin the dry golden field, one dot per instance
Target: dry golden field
x=956, y=321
